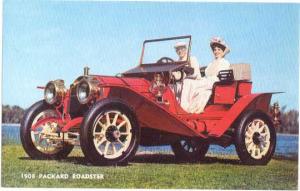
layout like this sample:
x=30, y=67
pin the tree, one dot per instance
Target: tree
x=12, y=114
x=290, y=121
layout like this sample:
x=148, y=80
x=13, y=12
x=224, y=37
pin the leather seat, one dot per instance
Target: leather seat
x=241, y=71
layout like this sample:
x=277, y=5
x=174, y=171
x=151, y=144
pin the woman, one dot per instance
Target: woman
x=196, y=97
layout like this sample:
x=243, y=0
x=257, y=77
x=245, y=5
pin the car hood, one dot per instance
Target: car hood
x=139, y=84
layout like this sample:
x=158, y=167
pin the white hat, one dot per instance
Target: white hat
x=180, y=44
x=219, y=41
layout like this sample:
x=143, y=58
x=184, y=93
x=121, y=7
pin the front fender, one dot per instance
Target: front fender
x=249, y=102
x=151, y=114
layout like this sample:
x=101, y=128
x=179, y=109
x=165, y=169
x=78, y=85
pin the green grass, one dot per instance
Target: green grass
x=150, y=171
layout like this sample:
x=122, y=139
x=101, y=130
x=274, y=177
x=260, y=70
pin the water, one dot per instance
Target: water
x=287, y=145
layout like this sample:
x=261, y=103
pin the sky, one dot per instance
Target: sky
x=48, y=40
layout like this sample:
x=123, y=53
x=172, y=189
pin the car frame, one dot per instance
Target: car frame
x=110, y=116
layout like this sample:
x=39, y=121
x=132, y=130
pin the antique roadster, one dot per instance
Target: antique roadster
x=110, y=116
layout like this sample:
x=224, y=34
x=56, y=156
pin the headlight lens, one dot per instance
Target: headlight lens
x=50, y=93
x=86, y=90
x=54, y=91
x=83, y=92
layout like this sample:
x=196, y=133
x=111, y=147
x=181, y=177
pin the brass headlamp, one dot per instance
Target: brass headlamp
x=54, y=91
x=87, y=89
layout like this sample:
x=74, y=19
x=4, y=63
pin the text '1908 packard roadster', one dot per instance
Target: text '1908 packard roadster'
x=110, y=116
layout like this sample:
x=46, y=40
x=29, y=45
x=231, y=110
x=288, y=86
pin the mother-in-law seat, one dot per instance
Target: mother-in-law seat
x=234, y=83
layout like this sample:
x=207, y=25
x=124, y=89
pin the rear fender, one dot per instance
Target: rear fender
x=249, y=102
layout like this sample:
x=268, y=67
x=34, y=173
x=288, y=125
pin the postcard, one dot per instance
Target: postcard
x=152, y=95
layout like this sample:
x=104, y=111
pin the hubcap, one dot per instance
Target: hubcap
x=257, y=138
x=112, y=132
x=41, y=137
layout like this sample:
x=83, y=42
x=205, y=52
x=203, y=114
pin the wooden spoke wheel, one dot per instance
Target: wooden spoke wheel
x=110, y=133
x=255, y=138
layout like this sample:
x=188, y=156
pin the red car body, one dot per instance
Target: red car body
x=162, y=119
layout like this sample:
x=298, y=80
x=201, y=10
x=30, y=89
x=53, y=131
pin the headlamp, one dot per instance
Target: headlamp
x=54, y=91
x=86, y=90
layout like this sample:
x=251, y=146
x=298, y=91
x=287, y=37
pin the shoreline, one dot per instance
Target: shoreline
x=287, y=134
x=11, y=124
x=18, y=125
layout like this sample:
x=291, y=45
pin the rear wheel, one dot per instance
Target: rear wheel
x=255, y=138
x=110, y=133
x=41, y=143
x=189, y=149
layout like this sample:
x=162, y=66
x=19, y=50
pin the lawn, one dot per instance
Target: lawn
x=148, y=171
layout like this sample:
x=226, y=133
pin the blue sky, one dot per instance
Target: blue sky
x=47, y=40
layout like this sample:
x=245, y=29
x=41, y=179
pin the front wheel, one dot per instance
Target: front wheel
x=42, y=143
x=109, y=133
x=189, y=149
x=255, y=138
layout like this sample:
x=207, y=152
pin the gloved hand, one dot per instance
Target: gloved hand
x=188, y=70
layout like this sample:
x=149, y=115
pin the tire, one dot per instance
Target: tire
x=110, y=133
x=255, y=138
x=189, y=149
x=28, y=137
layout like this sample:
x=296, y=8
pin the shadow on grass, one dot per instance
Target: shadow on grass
x=74, y=160
x=290, y=157
x=160, y=159
x=147, y=158
x=170, y=159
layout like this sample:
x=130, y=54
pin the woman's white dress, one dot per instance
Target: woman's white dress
x=196, y=92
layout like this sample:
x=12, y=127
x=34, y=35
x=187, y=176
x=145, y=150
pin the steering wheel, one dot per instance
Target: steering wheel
x=165, y=60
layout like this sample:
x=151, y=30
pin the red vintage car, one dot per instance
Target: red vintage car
x=110, y=116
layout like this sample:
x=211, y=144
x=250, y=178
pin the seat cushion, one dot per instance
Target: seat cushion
x=241, y=71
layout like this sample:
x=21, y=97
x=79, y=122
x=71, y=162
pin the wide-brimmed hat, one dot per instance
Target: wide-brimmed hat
x=180, y=44
x=215, y=41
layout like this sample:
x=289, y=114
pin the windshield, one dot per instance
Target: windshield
x=156, y=49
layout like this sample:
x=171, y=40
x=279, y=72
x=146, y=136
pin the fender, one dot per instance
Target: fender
x=151, y=114
x=248, y=102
